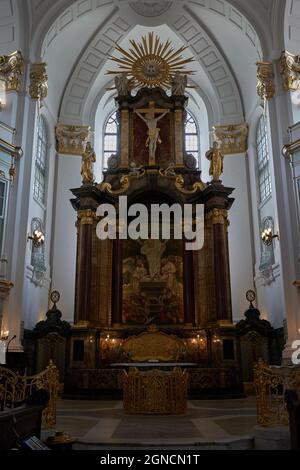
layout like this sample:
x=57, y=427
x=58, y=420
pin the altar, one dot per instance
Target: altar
x=152, y=302
x=155, y=391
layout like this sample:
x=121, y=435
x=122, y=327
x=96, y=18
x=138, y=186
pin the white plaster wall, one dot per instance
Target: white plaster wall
x=239, y=233
x=269, y=291
x=9, y=26
x=36, y=297
x=17, y=221
x=64, y=246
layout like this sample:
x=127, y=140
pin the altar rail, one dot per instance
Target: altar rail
x=270, y=383
x=15, y=388
x=155, y=391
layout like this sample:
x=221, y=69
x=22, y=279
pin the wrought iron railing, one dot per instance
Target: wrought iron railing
x=270, y=385
x=15, y=388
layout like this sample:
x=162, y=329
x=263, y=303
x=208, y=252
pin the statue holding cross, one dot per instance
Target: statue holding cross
x=153, y=138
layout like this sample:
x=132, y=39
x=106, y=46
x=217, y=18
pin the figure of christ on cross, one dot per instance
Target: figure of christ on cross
x=153, y=131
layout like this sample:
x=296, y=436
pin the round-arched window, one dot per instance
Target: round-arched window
x=39, y=185
x=191, y=136
x=110, y=144
x=263, y=160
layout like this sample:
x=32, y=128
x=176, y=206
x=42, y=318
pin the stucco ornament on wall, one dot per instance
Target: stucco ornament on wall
x=150, y=8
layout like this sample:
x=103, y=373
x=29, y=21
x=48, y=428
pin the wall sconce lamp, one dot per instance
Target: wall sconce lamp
x=268, y=237
x=201, y=341
x=37, y=238
x=216, y=339
x=4, y=335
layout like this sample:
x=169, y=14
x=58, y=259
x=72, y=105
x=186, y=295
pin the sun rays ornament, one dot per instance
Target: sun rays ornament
x=150, y=63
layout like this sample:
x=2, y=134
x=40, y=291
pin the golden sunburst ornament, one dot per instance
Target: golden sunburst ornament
x=151, y=63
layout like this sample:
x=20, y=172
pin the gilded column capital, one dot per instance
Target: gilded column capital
x=71, y=139
x=290, y=71
x=217, y=216
x=233, y=139
x=11, y=70
x=38, y=88
x=86, y=216
x=265, y=80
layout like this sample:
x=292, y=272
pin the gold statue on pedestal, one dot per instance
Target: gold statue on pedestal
x=87, y=165
x=216, y=157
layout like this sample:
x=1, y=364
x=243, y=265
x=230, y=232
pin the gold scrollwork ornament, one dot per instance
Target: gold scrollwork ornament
x=38, y=88
x=11, y=70
x=107, y=187
x=124, y=182
x=265, y=80
x=290, y=71
x=180, y=186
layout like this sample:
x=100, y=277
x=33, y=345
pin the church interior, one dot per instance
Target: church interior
x=115, y=331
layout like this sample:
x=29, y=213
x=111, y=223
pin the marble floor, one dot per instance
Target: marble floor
x=223, y=423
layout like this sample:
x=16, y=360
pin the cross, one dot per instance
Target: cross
x=153, y=137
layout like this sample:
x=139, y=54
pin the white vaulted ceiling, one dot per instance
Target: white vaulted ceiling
x=225, y=37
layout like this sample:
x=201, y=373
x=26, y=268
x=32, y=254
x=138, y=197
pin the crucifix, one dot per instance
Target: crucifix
x=153, y=137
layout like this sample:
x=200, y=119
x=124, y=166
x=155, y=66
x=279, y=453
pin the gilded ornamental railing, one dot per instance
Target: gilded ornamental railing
x=15, y=388
x=155, y=391
x=270, y=386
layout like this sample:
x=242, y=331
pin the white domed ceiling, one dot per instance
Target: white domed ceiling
x=81, y=34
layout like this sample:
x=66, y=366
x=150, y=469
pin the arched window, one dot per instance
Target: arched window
x=191, y=136
x=263, y=160
x=39, y=185
x=110, y=145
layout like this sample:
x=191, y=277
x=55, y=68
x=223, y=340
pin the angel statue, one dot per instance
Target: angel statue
x=216, y=157
x=178, y=83
x=87, y=165
x=122, y=84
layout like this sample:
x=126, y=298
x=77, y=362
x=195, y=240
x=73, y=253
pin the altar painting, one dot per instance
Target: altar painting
x=153, y=282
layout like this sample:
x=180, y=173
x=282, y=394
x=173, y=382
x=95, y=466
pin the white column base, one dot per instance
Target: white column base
x=16, y=348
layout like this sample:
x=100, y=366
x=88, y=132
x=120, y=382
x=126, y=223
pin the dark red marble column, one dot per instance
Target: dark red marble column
x=221, y=268
x=117, y=283
x=188, y=286
x=84, y=265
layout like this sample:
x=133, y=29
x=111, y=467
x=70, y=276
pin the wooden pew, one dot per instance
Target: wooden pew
x=22, y=421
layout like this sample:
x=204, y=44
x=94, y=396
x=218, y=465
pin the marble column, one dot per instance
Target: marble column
x=221, y=266
x=84, y=265
x=124, y=137
x=217, y=203
x=88, y=197
x=188, y=288
x=117, y=281
x=179, y=117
